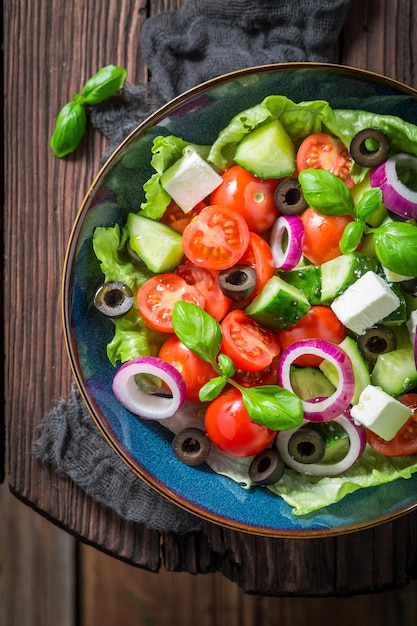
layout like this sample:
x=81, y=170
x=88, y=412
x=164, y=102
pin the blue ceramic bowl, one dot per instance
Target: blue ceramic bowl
x=198, y=116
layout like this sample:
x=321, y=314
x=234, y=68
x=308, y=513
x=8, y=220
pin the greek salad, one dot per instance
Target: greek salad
x=264, y=300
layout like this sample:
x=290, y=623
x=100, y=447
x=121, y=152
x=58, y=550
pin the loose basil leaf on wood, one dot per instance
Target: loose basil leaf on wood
x=106, y=83
x=69, y=128
x=368, y=204
x=272, y=406
x=351, y=237
x=326, y=193
x=197, y=330
x=396, y=247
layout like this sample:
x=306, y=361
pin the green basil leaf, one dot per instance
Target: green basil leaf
x=368, y=204
x=212, y=388
x=351, y=237
x=106, y=83
x=197, y=330
x=326, y=193
x=272, y=406
x=226, y=365
x=396, y=247
x=69, y=129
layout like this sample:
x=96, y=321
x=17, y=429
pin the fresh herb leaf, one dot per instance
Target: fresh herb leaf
x=226, y=365
x=395, y=247
x=326, y=193
x=351, y=237
x=197, y=330
x=212, y=388
x=368, y=204
x=272, y=406
x=104, y=84
x=69, y=128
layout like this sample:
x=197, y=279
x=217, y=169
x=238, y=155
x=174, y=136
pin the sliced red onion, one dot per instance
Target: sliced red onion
x=322, y=409
x=396, y=196
x=357, y=443
x=149, y=405
x=292, y=225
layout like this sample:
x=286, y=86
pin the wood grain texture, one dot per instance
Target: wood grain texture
x=50, y=49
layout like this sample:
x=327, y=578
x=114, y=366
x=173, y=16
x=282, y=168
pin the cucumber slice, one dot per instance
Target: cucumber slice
x=395, y=372
x=309, y=382
x=360, y=368
x=399, y=316
x=279, y=305
x=339, y=273
x=336, y=440
x=307, y=279
x=159, y=247
x=267, y=151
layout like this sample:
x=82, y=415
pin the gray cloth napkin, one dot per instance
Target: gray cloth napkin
x=182, y=48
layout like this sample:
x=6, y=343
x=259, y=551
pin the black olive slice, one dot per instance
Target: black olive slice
x=306, y=446
x=409, y=286
x=375, y=341
x=238, y=282
x=289, y=197
x=267, y=467
x=362, y=152
x=191, y=446
x=114, y=298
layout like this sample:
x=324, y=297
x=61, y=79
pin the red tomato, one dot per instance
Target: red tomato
x=175, y=218
x=216, y=238
x=194, y=370
x=207, y=283
x=405, y=441
x=321, y=151
x=267, y=376
x=157, y=296
x=259, y=257
x=318, y=323
x=250, y=346
x=322, y=234
x=251, y=196
x=230, y=428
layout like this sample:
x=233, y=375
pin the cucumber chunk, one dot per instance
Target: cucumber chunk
x=399, y=316
x=395, y=372
x=309, y=382
x=360, y=368
x=267, y=152
x=158, y=245
x=340, y=273
x=279, y=305
x=307, y=279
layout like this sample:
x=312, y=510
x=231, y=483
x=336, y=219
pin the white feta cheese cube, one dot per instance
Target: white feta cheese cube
x=190, y=180
x=380, y=412
x=365, y=303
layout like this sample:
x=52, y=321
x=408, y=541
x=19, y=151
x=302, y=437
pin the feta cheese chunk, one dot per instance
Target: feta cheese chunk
x=380, y=412
x=190, y=180
x=368, y=301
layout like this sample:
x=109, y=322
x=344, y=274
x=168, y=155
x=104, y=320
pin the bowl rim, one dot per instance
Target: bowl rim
x=90, y=404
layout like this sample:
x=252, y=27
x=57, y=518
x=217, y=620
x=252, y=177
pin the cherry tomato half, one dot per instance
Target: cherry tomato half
x=405, y=441
x=259, y=257
x=207, y=283
x=230, y=428
x=194, y=370
x=216, y=238
x=251, y=196
x=322, y=234
x=318, y=323
x=322, y=151
x=175, y=218
x=250, y=346
x=157, y=296
x=266, y=376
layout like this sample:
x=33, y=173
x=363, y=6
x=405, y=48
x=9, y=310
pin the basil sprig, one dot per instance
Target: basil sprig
x=395, y=247
x=269, y=405
x=71, y=120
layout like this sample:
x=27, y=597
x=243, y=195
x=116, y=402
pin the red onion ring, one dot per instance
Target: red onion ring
x=151, y=406
x=292, y=225
x=396, y=196
x=323, y=409
x=357, y=441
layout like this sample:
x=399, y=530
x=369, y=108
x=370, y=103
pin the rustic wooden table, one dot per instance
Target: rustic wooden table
x=50, y=49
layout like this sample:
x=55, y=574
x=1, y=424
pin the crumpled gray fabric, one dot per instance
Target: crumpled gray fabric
x=201, y=40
